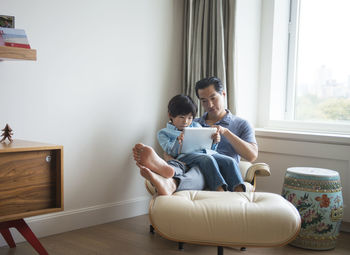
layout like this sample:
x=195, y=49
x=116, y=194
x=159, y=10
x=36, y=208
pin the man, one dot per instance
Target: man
x=238, y=140
x=238, y=137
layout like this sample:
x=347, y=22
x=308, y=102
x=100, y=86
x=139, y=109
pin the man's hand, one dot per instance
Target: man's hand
x=220, y=129
x=248, y=151
x=216, y=137
x=180, y=138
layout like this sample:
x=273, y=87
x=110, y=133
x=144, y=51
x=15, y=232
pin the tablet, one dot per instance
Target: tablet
x=197, y=139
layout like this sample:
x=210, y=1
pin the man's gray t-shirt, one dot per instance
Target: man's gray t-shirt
x=237, y=126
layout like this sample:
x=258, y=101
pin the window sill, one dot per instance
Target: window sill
x=315, y=137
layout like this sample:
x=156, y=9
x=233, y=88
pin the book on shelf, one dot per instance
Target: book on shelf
x=2, y=42
x=14, y=37
x=12, y=31
x=18, y=45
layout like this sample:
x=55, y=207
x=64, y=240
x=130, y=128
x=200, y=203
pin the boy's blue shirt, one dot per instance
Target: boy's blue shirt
x=167, y=138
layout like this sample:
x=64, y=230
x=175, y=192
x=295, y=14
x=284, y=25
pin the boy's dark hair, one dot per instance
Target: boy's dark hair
x=182, y=105
x=206, y=82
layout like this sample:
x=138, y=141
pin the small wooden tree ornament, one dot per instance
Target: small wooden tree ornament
x=7, y=133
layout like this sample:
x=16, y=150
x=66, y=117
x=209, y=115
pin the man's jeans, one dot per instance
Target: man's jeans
x=218, y=170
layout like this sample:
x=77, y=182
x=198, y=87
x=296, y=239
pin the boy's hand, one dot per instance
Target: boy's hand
x=180, y=138
x=216, y=137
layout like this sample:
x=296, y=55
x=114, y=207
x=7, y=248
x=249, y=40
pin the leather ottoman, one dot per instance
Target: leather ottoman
x=225, y=218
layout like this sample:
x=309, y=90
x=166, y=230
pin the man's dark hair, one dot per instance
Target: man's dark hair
x=206, y=82
x=182, y=105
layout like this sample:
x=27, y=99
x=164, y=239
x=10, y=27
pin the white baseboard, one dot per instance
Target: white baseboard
x=50, y=224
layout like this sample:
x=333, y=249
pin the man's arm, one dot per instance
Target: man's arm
x=249, y=151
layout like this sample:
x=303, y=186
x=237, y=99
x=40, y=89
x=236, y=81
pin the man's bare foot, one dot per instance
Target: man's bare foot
x=239, y=188
x=164, y=186
x=146, y=156
x=220, y=188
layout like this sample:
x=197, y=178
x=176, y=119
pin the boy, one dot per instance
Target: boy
x=220, y=172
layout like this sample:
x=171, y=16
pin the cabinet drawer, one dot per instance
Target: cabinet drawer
x=30, y=183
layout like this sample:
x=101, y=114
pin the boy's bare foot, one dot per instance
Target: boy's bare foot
x=164, y=186
x=146, y=156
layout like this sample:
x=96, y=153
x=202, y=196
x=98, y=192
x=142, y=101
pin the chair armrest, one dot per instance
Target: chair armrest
x=257, y=169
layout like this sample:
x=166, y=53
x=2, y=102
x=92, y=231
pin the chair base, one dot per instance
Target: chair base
x=181, y=244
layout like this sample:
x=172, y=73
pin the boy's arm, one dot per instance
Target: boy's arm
x=169, y=143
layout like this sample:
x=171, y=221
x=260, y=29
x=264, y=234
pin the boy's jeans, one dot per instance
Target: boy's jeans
x=187, y=178
x=218, y=169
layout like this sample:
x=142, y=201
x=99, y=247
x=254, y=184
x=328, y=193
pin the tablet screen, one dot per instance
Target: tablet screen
x=197, y=139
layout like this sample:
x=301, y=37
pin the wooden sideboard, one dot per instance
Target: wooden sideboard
x=31, y=179
x=31, y=183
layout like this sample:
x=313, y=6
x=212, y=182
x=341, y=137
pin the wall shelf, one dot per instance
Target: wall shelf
x=15, y=53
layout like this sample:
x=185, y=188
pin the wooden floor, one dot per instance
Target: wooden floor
x=131, y=236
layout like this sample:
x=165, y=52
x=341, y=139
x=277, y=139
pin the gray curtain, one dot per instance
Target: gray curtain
x=209, y=45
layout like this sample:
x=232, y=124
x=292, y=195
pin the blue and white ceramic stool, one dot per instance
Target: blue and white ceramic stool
x=316, y=193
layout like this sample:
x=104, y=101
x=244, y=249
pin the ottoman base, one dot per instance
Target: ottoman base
x=225, y=218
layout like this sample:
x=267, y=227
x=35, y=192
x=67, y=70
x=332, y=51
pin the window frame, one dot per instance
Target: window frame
x=279, y=20
x=292, y=56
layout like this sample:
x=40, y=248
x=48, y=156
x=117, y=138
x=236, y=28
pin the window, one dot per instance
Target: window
x=309, y=82
x=319, y=61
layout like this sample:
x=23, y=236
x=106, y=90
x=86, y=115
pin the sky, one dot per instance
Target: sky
x=324, y=39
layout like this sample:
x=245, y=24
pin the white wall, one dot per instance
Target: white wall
x=104, y=74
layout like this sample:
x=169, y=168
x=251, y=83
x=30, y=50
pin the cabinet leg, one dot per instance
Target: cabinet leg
x=8, y=237
x=27, y=233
